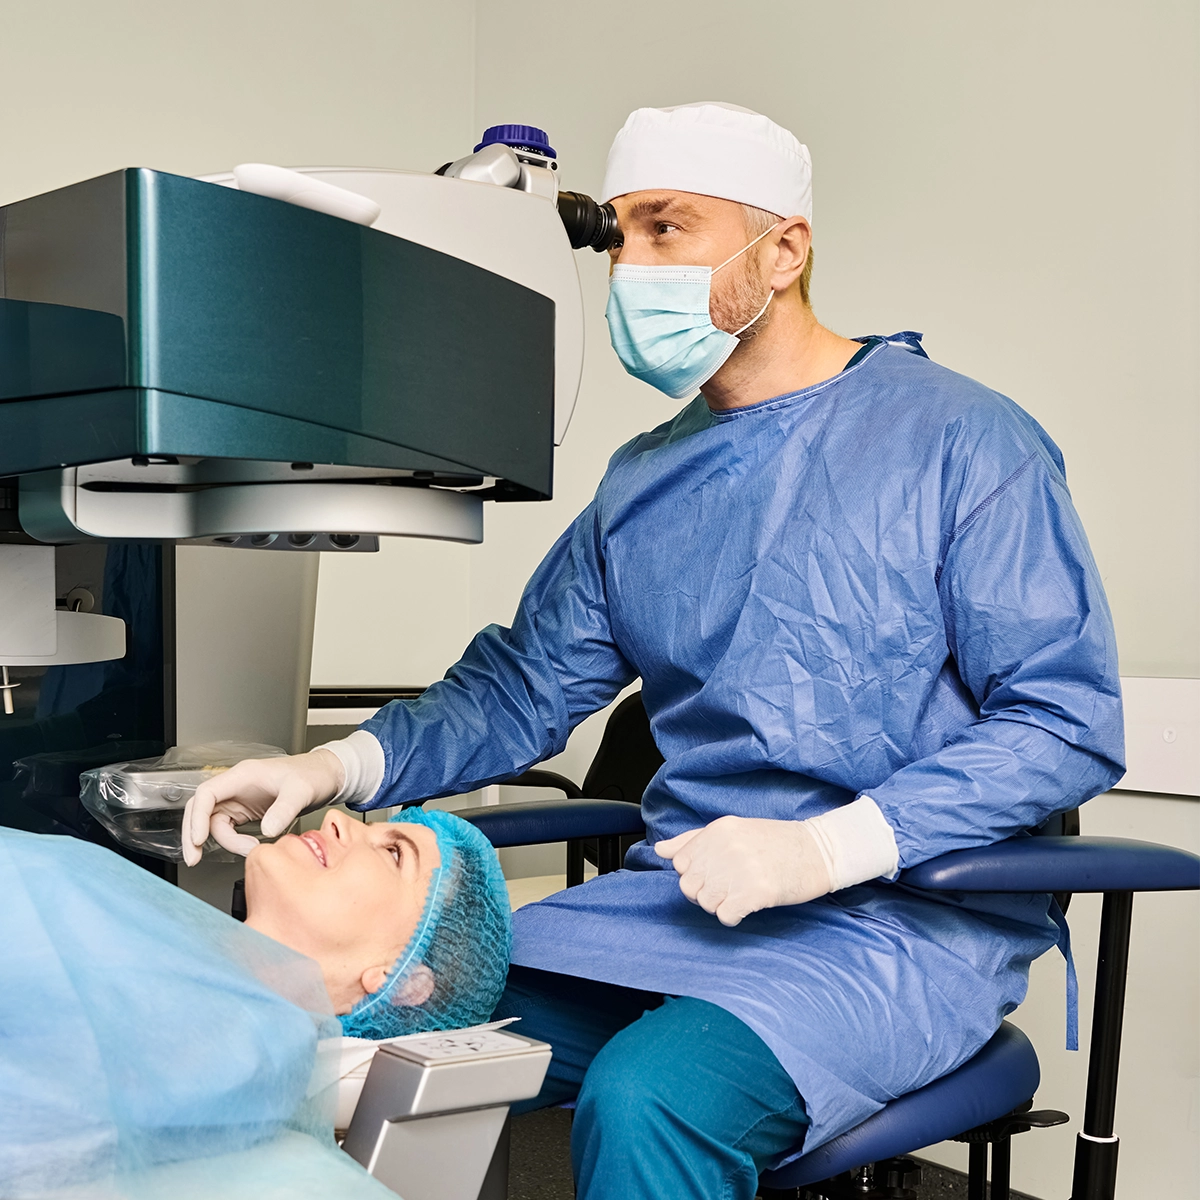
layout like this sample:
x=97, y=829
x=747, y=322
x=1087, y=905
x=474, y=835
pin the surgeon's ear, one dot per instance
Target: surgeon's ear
x=795, y=238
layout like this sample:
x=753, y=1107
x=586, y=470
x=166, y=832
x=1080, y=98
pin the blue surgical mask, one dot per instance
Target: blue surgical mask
x=661, y=328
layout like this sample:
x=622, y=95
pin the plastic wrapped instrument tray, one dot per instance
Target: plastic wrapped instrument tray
x=141, y=803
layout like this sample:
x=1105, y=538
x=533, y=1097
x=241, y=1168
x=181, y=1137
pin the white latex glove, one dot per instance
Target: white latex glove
x=273, y=790
x=737, y=865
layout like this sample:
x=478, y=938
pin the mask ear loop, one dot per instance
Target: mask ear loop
x=747, y=247
x=770, y=294
x=770, y=297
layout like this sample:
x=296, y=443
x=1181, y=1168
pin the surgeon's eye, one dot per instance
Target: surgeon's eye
x=663, y=227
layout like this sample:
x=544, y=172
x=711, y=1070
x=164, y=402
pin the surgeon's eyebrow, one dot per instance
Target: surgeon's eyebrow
x=665, y=204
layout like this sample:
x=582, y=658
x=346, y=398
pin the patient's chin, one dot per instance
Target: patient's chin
x=258, y=861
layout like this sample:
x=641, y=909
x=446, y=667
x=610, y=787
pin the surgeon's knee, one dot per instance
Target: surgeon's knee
x=622, y=1101
x=638, y=1133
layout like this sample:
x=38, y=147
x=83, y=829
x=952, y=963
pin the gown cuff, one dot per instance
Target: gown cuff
x=361, y=757
x=856, y=842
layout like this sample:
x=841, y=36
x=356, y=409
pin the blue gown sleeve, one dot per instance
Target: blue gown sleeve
x=516, y=694
x=1029, y=631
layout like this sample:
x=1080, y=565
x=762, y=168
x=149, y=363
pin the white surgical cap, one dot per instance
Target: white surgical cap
x=712, y=149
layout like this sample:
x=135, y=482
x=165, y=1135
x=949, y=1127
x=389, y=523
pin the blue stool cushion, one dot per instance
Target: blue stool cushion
x=1003, y=1075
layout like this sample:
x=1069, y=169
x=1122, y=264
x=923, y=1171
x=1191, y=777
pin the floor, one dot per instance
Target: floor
x=540, y=1167
x=540, y=1159
x=538, y=887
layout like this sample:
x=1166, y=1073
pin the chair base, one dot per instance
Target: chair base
x=897, y=1178
x=891, y=1179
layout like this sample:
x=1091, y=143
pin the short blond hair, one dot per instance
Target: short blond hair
x=758, y=221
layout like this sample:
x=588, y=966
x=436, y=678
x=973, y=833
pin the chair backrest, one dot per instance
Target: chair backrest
x=627, y=759
x=1063, y=824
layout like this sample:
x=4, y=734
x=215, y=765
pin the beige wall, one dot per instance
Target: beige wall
x=194, y=88
x=1022, y=183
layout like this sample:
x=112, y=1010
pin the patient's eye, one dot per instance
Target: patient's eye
x=396, y=853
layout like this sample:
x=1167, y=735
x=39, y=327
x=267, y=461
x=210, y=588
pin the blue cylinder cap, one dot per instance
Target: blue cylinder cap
x=519, y=137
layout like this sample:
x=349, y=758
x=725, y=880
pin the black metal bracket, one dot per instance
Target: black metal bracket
x=997, y=1135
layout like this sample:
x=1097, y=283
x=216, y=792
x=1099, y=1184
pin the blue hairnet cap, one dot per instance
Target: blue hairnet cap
x=464, y=937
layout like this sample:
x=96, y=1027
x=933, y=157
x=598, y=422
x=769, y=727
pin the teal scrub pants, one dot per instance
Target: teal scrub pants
x=674, y=1096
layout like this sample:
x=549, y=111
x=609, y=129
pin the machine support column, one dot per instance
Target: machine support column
x=1096, y=1147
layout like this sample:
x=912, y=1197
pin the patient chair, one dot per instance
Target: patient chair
x=988, y=1099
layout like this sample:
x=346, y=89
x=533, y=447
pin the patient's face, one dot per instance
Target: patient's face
x=348, y=896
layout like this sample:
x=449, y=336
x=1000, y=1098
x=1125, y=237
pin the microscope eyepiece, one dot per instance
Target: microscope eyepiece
x=587, y=223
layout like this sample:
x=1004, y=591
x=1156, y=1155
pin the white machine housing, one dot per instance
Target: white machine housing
x=503, y=221
x=492, y=209
x=433, y=1108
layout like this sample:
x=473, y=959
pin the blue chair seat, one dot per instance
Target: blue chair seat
x=1002, y=1076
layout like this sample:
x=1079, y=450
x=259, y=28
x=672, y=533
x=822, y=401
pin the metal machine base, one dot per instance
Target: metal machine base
x=431, y=1121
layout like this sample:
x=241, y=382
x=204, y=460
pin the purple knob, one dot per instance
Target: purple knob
x=519, y=137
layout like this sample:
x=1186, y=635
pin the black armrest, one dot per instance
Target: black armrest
x=537, y=821
x=1060, y=864
x=536, y=777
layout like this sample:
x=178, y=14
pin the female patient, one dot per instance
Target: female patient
x=140, y=1026
x=408, y=919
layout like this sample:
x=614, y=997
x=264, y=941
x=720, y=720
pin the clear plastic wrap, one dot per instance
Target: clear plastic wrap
x=141, y=803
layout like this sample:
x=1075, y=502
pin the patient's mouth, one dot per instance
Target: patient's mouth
x=313, y=841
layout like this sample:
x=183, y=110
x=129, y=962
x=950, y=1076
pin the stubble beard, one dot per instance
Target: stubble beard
x=740, y=299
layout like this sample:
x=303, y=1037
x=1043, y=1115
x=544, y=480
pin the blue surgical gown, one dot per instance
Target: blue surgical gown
x=877, y=585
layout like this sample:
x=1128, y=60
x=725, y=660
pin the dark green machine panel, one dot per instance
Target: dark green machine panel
x=145, y=313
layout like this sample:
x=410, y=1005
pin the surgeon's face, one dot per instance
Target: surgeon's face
x=663, y=228
x=349, y=896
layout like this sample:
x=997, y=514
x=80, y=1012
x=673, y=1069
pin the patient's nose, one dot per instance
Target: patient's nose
x=338, y=825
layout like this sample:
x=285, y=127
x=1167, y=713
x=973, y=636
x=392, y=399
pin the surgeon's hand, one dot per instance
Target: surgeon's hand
x=273, y=790
x=737, y=865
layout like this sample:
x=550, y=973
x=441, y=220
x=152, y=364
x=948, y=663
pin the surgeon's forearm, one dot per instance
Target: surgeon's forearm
x=362, y=760
x=997, y=779
x=856, y=843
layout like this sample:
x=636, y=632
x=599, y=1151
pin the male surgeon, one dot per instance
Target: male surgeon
x=869, y=630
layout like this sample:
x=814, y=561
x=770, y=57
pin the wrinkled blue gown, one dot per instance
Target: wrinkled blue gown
x=877, y=585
